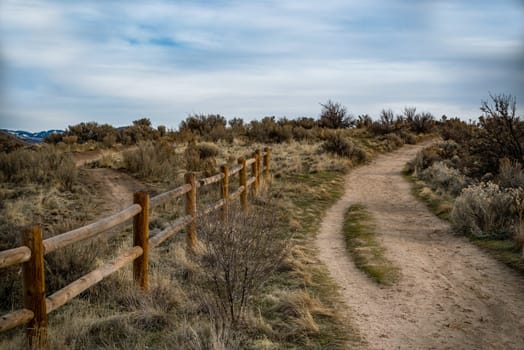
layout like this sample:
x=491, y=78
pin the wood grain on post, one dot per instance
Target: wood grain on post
x=243, y=183
x=191, y=210
x=258, y=163
x=225, y=190
x=141, y=239
x=34, y=288
x=267, y=151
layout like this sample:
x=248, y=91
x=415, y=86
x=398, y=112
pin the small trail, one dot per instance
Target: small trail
x=450, y=295
x=117, y=188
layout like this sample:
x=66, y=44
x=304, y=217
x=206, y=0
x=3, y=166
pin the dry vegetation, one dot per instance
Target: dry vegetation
x=475, y=178
x=255, y=283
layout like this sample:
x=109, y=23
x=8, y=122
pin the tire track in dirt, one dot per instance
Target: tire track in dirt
x=451, y=295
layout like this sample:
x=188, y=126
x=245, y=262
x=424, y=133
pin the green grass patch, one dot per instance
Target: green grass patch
x=359, y=231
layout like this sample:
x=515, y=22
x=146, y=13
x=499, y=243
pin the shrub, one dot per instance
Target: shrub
x=334, y=116
x=237, y=127
x=448, y=149
x=152, y=160
x=424, y=159
x=268, y=130
x=484, y=210
x=84, y=132
x=201, y=158
x=207, y=150
x=394, y=140
x=241, y=253
x=202, y=125
x=443, y=178
x=421, y=123
x=387, y=123
x=109, y=140
x=457, y=130
x=511, y=174
x=219, y=133
x=408, y=137
x=44, y=165
x=336, y=144
x=364, y=121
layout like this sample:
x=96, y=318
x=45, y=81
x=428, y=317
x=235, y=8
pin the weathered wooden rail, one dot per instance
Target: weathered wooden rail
x=31, y=254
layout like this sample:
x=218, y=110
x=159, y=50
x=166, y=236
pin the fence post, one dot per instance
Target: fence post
x=34, y=288
x=225, y=190
x=243, y=182
x=254, y=174
x=141, y=238
x=191, y=210
x=267, y=151
x=258, y=163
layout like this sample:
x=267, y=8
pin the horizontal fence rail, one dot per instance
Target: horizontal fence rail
x=31, y=254
x=14, y=256
x=82, y=233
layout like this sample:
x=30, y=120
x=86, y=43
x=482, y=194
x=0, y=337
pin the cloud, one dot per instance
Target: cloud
x=115, y=61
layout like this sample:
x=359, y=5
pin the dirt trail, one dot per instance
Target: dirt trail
x=450, y=295
x=117, y=188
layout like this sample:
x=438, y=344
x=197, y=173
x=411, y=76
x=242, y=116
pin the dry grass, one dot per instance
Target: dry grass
x=295, y=308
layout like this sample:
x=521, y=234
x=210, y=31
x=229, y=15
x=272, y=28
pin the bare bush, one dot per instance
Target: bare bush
x=334, y=116
x=418, y=122
x=241, y=253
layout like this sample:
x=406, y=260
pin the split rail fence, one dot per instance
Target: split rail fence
x=31, y=254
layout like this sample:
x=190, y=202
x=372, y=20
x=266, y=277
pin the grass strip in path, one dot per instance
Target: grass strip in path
x=368, y=255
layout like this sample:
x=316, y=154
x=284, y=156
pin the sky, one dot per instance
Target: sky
x=66, y=62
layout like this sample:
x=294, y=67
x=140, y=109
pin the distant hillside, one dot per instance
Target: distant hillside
x=10, y=142
x=31, y=137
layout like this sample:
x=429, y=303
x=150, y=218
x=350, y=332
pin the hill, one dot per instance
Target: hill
x=31, y=137
x=10, y=142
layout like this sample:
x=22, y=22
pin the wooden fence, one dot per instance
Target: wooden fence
x=31, y=254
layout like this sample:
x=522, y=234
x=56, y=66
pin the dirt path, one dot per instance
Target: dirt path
x=450, y=295
x=116, y=187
